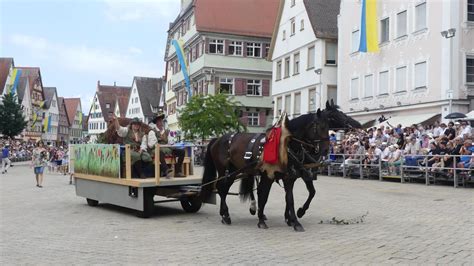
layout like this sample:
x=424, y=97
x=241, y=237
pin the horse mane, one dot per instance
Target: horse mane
x=300, y=122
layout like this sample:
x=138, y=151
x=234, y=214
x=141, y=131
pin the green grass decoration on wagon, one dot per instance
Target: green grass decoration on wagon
x=97, y=159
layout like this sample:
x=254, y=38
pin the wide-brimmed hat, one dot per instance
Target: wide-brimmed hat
x=135, y=120
x=159, y=115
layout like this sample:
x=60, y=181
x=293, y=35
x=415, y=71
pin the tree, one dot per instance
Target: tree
x=12, y=120
x=212, y=115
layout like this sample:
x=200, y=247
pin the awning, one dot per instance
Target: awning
x=408, y=120
x=470, y=115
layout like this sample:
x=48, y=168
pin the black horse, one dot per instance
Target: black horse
x=305, y=153
x=226, y=156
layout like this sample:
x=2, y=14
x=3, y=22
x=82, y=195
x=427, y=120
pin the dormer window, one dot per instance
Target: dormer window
x=107, y=105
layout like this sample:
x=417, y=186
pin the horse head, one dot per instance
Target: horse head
x=337, y=119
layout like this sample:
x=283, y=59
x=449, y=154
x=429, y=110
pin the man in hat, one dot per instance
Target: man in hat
x=158, y=134
x=6, y=158
x=135, y=137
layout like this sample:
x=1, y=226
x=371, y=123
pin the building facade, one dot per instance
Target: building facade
x=304, y=56
x=32, y=77
x=74, y=112
x=226, y=48
x=51, y=116
x=420, y=73
x=145, y=98
x=107, y=100
x=63, y=124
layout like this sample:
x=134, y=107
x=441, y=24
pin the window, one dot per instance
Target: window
x=420, y=16
x=401, y=24
x=311, y=57
x=331, y=50
x=354, y=88
x=470, y=10
x=216, y=47
x=278, y=70
x=312, y=100
x=385, y=30
x=355, y=41
x=284, y=34
x=226, y=86
x=420, y=75
x=254, y=87
x=302, y=25
x=254, y=49
x=293, y=3
x=235, y=48
x=296, y=63
x=253, y=119
x=470, y=69
x=107, y=105
x=383, y=82
x=288, y=104
x=287, y=67
x=293, y=26
x=279, y=105
x=297, y=104
x=401, y=79
x=368, y=85
x=267, y=49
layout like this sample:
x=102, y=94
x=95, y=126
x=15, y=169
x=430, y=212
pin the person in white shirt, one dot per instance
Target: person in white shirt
x=466, y=130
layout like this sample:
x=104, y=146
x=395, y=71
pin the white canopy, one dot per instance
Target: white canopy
x=470, y=115
x=408, y=120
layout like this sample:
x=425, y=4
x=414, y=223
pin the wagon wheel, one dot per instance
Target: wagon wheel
x=191, y=205
x=148, y=204
x=92, y=202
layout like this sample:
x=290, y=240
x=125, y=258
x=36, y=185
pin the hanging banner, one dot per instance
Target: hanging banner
x=369, y=41
x=178, y=46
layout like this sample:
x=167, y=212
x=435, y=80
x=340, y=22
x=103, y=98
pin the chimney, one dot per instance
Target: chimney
x=98, y=85
x=114, y=84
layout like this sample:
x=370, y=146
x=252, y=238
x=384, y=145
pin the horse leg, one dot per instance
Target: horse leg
x=223, y=187
x=289, y=184
x=310, y=186
x=253, y=204
x=263, y=191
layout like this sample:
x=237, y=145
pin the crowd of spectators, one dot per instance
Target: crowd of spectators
x=18, y=150
x=396, y=145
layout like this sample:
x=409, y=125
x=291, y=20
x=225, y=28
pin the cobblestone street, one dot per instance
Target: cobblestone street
x=407, y=223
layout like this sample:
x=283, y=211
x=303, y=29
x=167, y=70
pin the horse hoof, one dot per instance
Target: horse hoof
x=262, y=225
x=300, y=213
x=226, y=220
x=264, y=217
x=252, y=211
x=298, y=228
x=288, y=222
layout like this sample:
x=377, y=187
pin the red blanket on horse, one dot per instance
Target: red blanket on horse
x=270, y=148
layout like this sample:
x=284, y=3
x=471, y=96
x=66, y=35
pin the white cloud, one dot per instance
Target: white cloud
x=126, y=10
x=102, y=64
x=135, y=50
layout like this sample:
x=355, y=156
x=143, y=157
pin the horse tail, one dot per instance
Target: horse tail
x=209, y=174
x=246, y=187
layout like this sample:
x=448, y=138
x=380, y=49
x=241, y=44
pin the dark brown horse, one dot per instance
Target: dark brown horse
x=225, y=156
x=220, y=157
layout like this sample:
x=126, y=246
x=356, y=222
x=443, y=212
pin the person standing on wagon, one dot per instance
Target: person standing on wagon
x=135, y=137
x=158, y=134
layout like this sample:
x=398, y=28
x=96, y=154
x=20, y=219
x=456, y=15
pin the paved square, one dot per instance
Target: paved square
x=407, y=223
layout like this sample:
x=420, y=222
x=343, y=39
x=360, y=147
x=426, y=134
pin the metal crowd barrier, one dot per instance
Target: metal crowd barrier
x=378, y=168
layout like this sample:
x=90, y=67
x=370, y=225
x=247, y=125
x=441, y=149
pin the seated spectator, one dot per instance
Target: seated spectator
x=395, y=158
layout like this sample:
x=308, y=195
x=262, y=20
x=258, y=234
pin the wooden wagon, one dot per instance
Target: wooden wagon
x=103, y=174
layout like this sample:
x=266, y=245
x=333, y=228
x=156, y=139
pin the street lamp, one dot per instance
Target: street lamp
x=449, y=34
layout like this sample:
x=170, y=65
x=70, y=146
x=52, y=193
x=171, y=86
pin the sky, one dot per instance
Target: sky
x=77, y=43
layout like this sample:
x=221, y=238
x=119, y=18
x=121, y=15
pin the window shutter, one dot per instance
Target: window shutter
x=244, y=49
x=244, y=119
x=239, y=86
x=206, y=46
x=266, y=87
x=216, y=85
x=262, y=117
x=197, y=50
x=264, y=50
x=191, y=54
x=206, y=88
x=226, y=47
